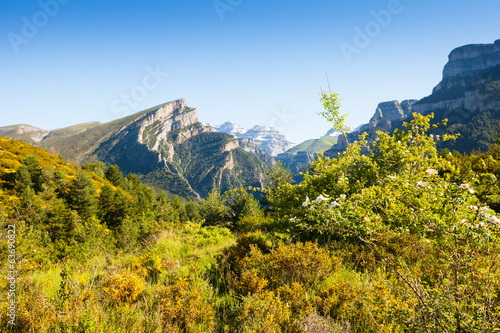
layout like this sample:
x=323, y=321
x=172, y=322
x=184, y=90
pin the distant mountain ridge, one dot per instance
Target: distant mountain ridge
x=165, y=145
x=266, y=138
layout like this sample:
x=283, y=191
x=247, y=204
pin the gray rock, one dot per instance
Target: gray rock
x=389, y=112
x=468, y=59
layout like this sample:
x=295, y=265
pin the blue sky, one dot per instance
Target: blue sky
x=65, y=62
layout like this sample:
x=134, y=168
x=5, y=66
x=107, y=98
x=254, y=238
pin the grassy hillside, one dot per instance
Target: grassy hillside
x=315, y=146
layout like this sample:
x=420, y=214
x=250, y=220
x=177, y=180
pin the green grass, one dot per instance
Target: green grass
x=314, y=145
x=193, y=244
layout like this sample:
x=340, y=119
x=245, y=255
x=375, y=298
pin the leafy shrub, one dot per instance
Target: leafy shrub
x=264, y=312
x=123, y=288
x=186, y=306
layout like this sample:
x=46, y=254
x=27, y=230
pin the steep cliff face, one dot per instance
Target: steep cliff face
x=470, y=59
x=468, y=96
x=465, y=82
x=266, y=138
x=165, y=145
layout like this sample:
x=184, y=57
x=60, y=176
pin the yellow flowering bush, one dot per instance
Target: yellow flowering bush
x=186, y=306
x=264, y=313
x=123, y=288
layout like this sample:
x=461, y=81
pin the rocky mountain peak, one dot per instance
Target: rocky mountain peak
x=173, y=115
x=388, y=112
x=469, y=59
x=230, y=128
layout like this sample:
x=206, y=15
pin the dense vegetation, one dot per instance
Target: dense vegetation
x=390, y=236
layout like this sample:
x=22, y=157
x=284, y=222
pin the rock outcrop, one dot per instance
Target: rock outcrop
x=469, y=59
x=389, y=112
x=465, y=70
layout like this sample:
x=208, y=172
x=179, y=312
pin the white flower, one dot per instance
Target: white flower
x=392, y=177
x=305, y=203
x=342, y=196
x=293, y=218
x=494, y=220
x=421, y=184
x=466, y=187
x=431, y=172
x=333, y=205
x=321, y=198
x=366, y=219
x=473, y=207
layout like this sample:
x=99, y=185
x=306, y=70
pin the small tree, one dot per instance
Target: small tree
x=114, y=175
x=213, y=210
x=81, y=195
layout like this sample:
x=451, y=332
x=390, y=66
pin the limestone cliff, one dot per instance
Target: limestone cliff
x=467, y=69
x=468, y=96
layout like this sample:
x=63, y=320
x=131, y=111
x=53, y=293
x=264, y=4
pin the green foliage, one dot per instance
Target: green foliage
x=390, y=236
x=192, y=211
x=114, y=175
x=98, y=168
x=81, y=195
x=400, y=185
x=213, y=210
x=331, y=112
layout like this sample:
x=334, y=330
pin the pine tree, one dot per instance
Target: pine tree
x=81, y=195
x=22, y=179
x=36, y=172
x=213, y=209
x=61, y=222
x=114, y=175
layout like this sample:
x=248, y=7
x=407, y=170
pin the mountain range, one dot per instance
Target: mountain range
x=168, y=148
x=468, y=96
x=266, y=138
x=165, y=146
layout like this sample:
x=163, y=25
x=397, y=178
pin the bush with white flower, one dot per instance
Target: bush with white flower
x=399, y=186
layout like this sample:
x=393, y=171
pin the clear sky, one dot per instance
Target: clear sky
x=252, y=62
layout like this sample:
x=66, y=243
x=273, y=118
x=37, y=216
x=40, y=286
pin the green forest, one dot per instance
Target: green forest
x=390, y=236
